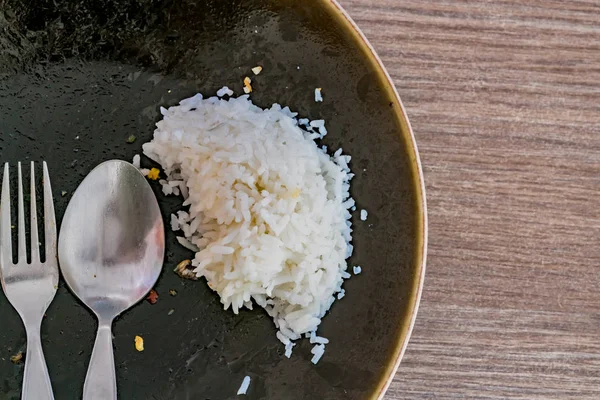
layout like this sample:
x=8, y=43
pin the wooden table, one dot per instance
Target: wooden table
x=504, y=99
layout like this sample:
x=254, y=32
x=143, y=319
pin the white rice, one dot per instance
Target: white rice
x=320, y=124
x=244, y=386
x=357, y=269
x=268, y=210
x=175, y=226
x=288, y=349
x=318, y=95
x=317, y=339
x=224, y=91
x=317, y=352
x=363, y=215
x=187, y=244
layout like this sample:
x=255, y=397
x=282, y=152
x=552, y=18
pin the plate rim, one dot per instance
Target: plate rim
x=400, y=113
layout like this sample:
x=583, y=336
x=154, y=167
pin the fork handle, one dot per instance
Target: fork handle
x=36, y=380
x=100, y=381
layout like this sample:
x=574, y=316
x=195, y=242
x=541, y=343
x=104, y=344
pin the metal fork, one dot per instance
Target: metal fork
x=30, y=287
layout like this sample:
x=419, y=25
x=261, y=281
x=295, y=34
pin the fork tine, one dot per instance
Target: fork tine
x=6, y=234
x=49, y=218
x=22, y=250
x=35, y=242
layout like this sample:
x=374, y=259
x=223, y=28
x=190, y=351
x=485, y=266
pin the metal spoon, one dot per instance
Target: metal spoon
x=111, y=248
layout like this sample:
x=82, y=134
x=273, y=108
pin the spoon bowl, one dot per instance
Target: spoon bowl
x=111, y=250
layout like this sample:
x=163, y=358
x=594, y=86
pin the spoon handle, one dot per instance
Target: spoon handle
x=100, y=381
x=36, y=381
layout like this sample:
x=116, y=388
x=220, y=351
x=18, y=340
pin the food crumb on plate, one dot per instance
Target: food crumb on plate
x=244, y=386
x=257, y=70
x=17, y=358
x=152, y=297
x=363, y=215
x=171, y=311
x=173, y=292
x=153, y=174
x=247, y=85
x=357, y=269
x=318, y=95
x=63, y=193
x=131, y=139
x=182, y=269
x=139, y=343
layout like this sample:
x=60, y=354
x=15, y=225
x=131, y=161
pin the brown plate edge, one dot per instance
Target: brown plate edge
x=400, y=112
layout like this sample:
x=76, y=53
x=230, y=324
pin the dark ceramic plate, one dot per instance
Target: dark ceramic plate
x=77, y=78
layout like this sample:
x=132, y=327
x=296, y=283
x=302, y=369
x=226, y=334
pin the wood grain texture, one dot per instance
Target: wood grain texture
x=504, y=99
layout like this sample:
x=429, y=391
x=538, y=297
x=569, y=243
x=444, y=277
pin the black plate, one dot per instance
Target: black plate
x=77, y=78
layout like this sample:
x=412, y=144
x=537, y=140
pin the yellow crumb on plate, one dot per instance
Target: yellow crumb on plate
x=247, y=85
x=257, y=70
x=153, y=174
x=184, y=270
x=17, y=358
x=139, y=343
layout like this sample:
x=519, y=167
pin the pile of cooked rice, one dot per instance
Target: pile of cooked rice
x=269, y=210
